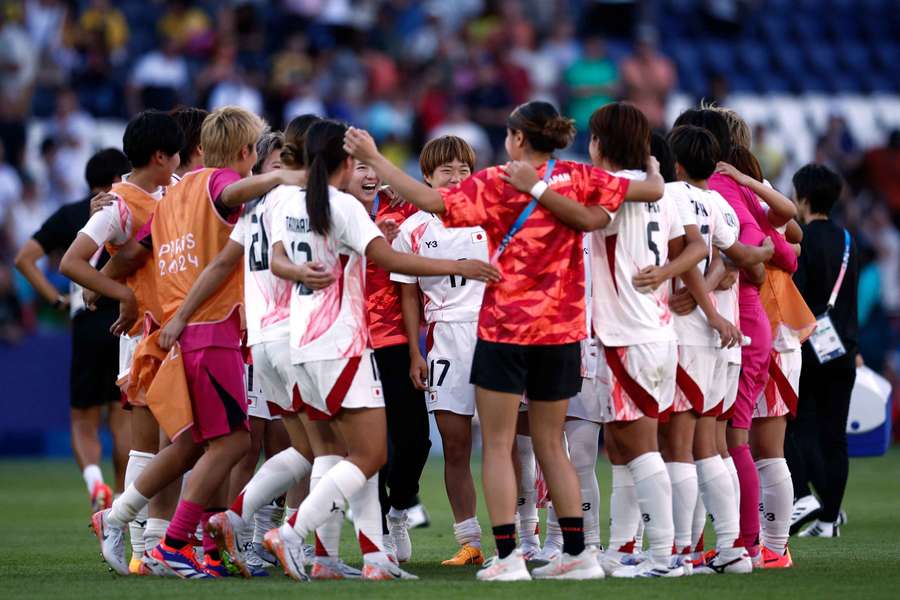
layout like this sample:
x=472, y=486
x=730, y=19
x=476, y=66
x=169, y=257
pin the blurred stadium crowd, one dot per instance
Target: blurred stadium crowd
x=819, y=79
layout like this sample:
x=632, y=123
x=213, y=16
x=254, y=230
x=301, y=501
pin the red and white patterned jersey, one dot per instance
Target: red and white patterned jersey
x=449, y=298
x=267, y=298
x=637, y=237
x=330, y=323
x=727, y=300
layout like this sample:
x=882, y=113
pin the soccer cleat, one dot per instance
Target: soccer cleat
x=112, y=542
x=417, y=516
x=466, y=555
x=805, y=510
x=223, y=527
x=733, y=562
x=258, y=550
x=769, y=559
x=529, y=550
x=101, y=497
x=648, y=569
x=565, y=566
x=511, y=568
x=216, y=568
x=821, y=529
x=390, y=548
x=377, y=566
x=181, y=562
x=136, y=567
x=548, y=554
x=613, y=560
x=154, y=567
x=398, y=528
x=327, y=568
x=842, y=518
x=289, y=554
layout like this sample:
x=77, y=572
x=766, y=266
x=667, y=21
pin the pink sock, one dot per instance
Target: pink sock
x=209, y=544
x=749, y=480
x=184, y=523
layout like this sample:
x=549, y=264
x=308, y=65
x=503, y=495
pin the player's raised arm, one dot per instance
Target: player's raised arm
x=396, y=262
x=360, y=145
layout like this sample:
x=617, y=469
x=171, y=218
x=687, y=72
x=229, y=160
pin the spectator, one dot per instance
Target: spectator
x=771, y=157
x=490, y=103
x=460, y=125
x=561, y=47
x=816, y=445
x=592, y=81
x=73, y=131
x=188, y=27
x=10, y=187
x=159, y=79
x=306, y=102
x=226, y=82
x=53, y=184
x=18, y=67
x=25, y=217
x=104, y=19
x=885, y=239
x=836, y=147
x=881, y=166
x=649, y=77
x=96, y=81
x=10, y=308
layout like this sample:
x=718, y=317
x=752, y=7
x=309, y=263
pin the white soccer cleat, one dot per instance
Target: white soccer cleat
x=379, y=567
x=398, y=528
x=648, y=569
x=805, y=510
x=290, y=555
x=613, y=560
x=417, y=516
x=565, y=566
x=511, y=568
x=548, y=554
x=735, y=561
x=821, y=529
x=529, y=550
x=112, y=542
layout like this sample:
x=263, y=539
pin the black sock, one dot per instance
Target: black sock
x=573, y=535
x=175, y=542
x=505, y=539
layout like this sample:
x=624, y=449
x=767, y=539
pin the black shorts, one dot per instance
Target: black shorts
x=95, y=362
x=540, y=372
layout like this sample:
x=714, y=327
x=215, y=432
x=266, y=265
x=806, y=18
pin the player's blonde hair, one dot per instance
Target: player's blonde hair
x=740, y=130
x=225, y=132
x=443, y=150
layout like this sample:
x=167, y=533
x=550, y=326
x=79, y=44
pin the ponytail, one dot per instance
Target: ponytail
x=542, y=125
x=324, y=155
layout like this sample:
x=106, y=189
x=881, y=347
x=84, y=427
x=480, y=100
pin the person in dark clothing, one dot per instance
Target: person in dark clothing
x=827, y=277
x=95, y=351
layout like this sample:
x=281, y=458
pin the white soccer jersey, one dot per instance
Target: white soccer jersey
x=447, y=299
x=114, y=223
x=330, y=323
x=727, y=300
x=637, y=237
x=267, y=299
x=697, y=207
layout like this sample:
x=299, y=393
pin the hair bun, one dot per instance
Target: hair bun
x=291, y=155
x=560, y=129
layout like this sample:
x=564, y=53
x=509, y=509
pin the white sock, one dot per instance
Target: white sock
x=137, y=462
x=125, y=509
x=331, y=494
x=526, y=510
x=624, y=513
x=639, y=536
x=397, y=514
x=699, y=521
x=155, y=532
x=584, y=438
x=735, y=482
x=367, y=517
x=288, y=513
x=93, y=475
x=654, y=495
x=468, y=532
x=328, y=535
x=777, y=494
x=683, y=478
x=274, y=478
x=718, y=497
x=266, y=518
x=554, y=537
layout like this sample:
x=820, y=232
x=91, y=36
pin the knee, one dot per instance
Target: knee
x=457, y=452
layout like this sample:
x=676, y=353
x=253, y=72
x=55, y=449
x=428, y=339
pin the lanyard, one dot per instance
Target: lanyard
x=375, y=204
x=523, y=216
x=841, y=273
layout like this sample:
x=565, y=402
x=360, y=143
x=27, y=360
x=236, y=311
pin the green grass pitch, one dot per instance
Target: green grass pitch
x=46, y=551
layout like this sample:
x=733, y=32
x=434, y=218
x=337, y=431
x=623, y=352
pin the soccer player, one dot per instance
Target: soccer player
x=531, y=323
x=190, y=119
x=334, y=368
x=188, y=229
x=754, y=228
x=694, y=462
x=95, y=351
x=451, y=313
x=152, y=141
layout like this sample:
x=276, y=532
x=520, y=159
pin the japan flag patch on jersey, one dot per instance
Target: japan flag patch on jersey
x=478, y=237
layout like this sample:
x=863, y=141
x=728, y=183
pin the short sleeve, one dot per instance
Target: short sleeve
x=278, y=230
x=684, y=206
x=723, y=236
x=352, y=226
x=403, y=243
x=466, y=205
x=55, y=233
x=676, y=227
x=239, y=230
x=111, y=224
x=599, y=188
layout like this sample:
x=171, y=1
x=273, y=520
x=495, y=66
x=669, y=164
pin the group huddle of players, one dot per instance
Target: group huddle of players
x=272, y=294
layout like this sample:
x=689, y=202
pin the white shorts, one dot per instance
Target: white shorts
x=589, y=403
x=273, y=370
x=780, y=396
x=642, y=380
x=327, y=386
x=127, y=346
x=449, y=360
x=694, y=381
x=256, y=398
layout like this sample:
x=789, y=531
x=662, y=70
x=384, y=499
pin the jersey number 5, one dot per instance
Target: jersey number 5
x=653, y=227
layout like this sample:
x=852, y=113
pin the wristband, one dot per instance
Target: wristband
x=538, y=189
